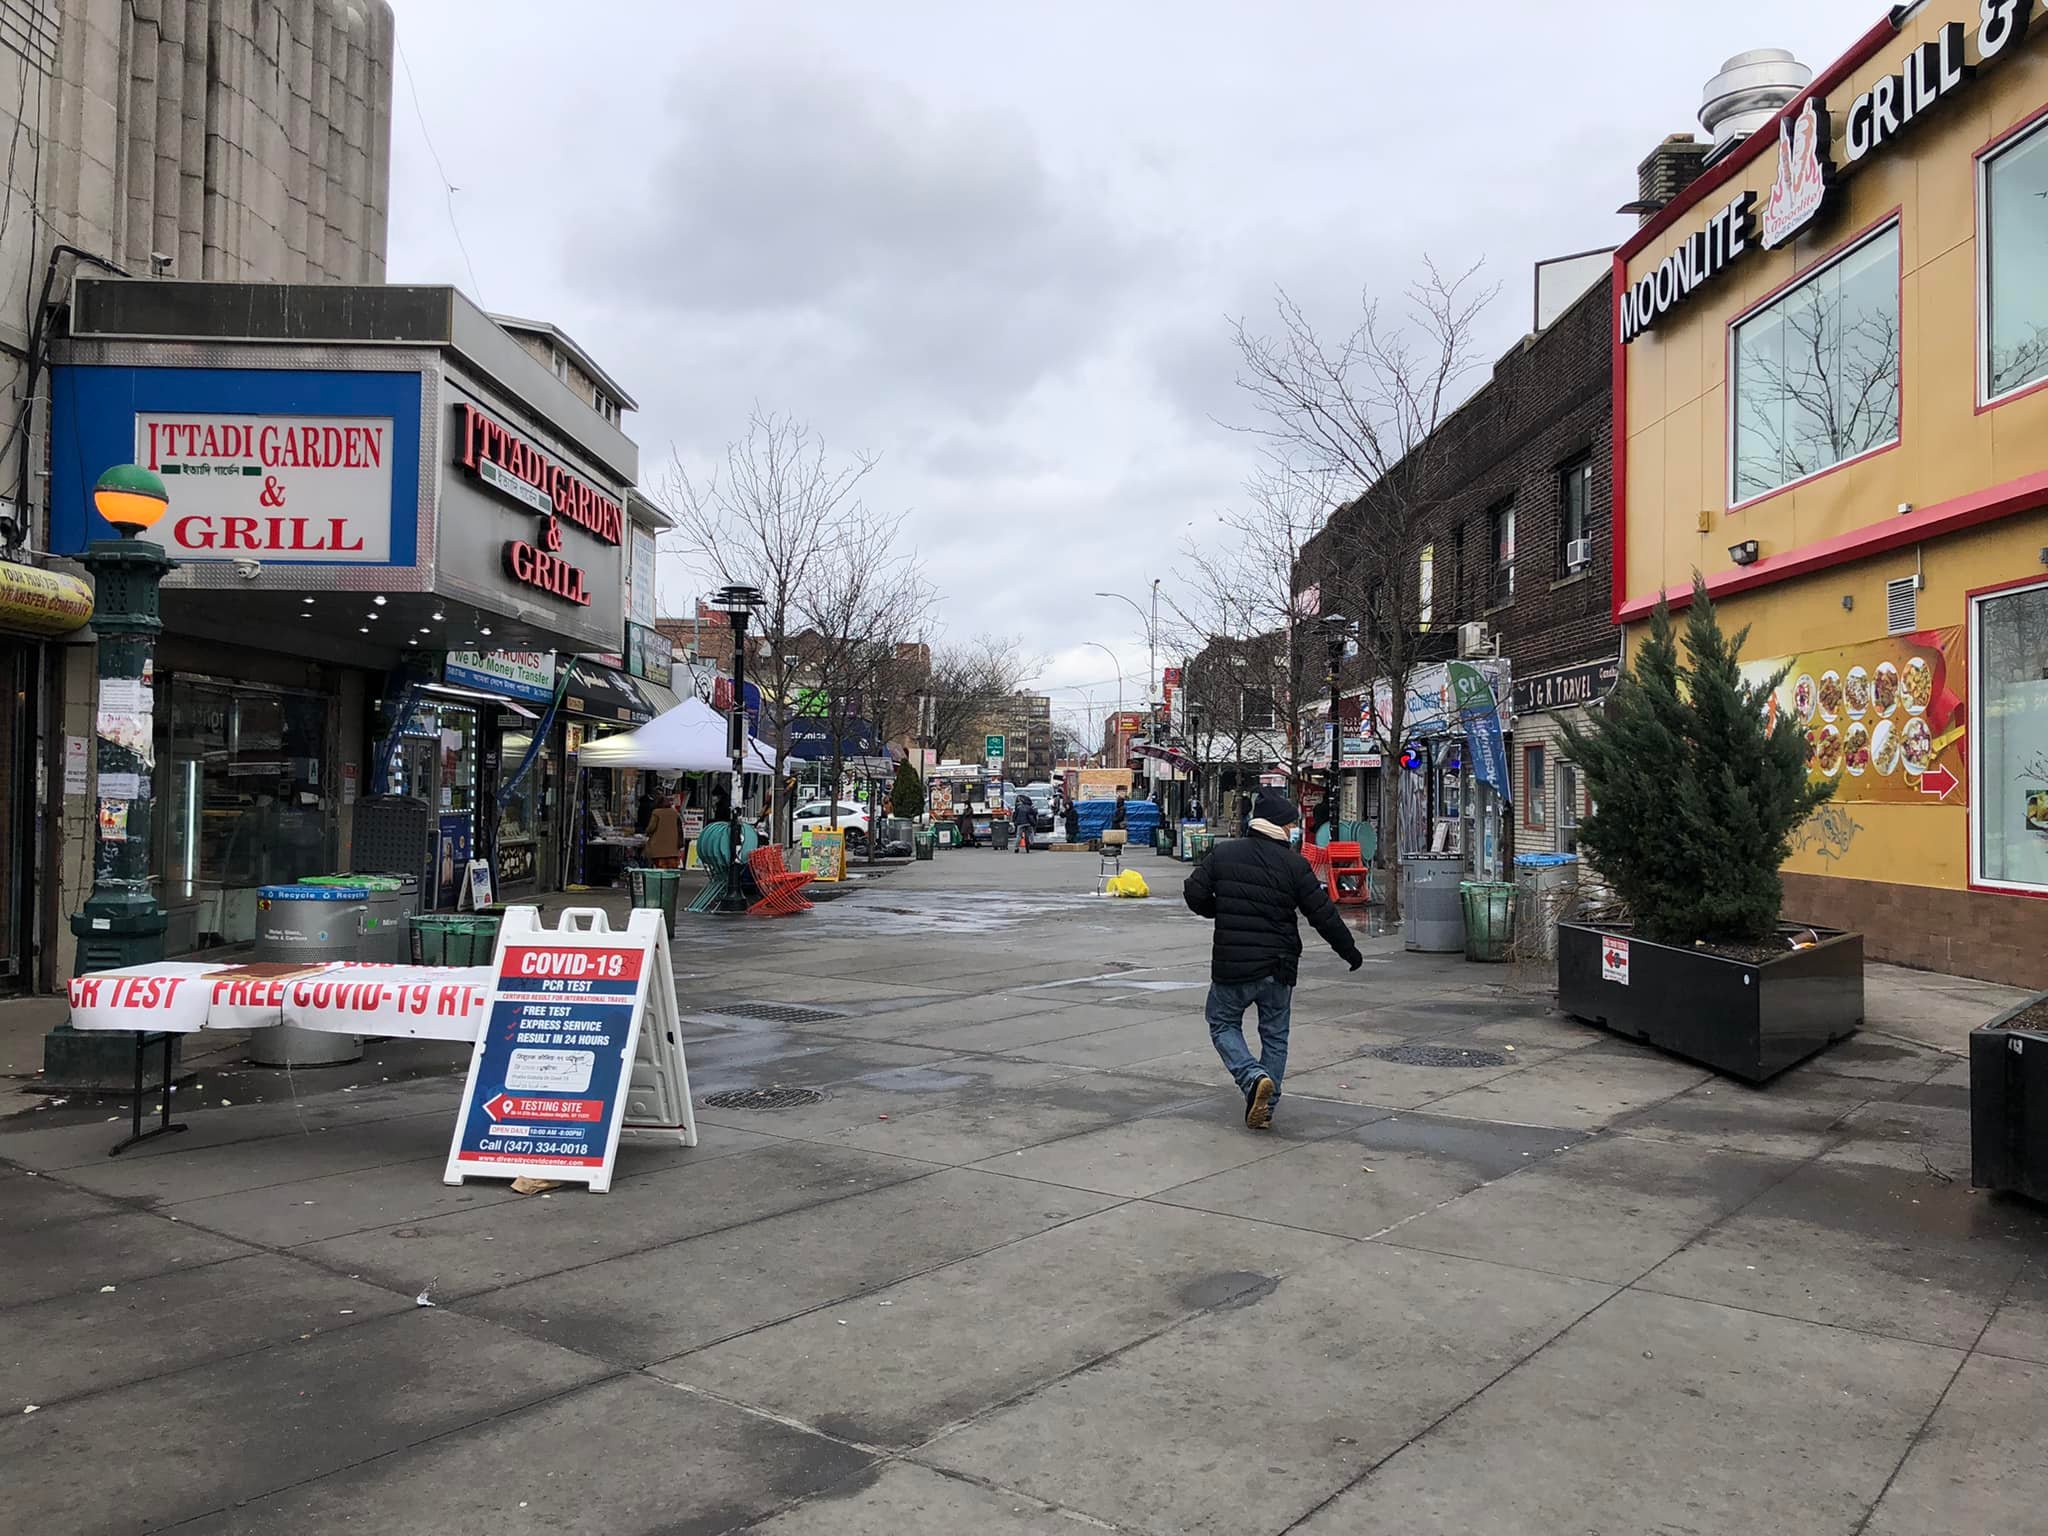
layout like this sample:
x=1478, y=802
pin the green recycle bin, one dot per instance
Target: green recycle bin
x=1200, y=846
x=924, y=842
x=656, y=888
x=1489, y=918
x=454, y=938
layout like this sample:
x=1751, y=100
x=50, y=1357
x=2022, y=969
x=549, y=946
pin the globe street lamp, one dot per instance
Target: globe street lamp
x=121, y=923
x=737, y=602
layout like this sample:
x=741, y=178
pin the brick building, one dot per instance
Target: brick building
x=1516, y=536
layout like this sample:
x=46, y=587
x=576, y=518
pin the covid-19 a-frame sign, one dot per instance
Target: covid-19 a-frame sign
x=582, y=1041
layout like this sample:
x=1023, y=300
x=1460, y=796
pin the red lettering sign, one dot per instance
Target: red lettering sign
x=547, y=573
x=480, y=440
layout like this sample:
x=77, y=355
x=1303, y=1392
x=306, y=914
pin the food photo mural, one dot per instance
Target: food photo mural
x=1884, y=720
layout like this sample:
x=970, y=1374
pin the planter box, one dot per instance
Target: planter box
x=1748, y=1019
x=2009, y=1105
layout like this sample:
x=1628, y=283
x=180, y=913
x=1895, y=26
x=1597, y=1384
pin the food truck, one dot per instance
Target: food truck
x=970, y=795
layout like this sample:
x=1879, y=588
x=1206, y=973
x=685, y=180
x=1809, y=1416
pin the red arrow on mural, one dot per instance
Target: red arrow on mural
x=1937, y=781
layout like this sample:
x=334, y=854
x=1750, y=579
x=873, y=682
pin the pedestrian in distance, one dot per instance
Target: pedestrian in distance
x=1027, y=821
x=1073, y=822
x=1116, y=817
x=1253, y=887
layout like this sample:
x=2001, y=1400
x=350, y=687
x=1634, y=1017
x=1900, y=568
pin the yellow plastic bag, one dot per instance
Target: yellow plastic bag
x=1129, y=883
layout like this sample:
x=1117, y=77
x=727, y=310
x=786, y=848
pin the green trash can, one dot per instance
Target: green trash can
x=1489, y=918
x=454, y=938
x=1200, y=846
x=656, y=888
x=1162, y=840
x=924, y=842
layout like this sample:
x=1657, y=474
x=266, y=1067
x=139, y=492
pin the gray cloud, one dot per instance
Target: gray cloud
x=865, y=236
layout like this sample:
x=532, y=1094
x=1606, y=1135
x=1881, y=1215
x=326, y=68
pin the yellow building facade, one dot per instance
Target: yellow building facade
x=1831, y=391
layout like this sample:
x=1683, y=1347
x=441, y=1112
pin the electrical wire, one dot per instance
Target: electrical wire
x=447, y=186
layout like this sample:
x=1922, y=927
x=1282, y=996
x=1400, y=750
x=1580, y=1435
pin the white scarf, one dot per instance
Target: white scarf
x=1266, y=828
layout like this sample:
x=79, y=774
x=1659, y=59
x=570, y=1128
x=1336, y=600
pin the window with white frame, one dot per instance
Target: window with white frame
x=2014, y=200
x=1817, y=371
x=2009, y=735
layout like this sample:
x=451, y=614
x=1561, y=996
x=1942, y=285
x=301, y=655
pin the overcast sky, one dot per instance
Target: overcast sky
x=998, y=246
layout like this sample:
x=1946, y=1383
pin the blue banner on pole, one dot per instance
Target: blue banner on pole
x=1479, y=711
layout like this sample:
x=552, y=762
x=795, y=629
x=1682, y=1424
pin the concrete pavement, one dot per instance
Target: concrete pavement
x=1020, y=1264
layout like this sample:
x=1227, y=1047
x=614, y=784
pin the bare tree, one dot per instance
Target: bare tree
x=1240, y=605
x=775, y=513
x=968, y=681
x=872, y=597
x=1359, y=422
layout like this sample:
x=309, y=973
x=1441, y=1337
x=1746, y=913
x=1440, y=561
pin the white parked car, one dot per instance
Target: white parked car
x=814, y=814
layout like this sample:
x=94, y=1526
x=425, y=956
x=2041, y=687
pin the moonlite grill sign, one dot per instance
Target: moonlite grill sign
x=1728, y=237
x=1927, y=76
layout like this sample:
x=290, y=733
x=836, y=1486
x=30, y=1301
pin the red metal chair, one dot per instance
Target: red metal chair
x=781, y=890
x=1345, y=873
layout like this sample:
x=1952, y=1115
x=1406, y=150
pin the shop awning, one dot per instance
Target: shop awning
x=659, y=696
x=475, y=696
x=599, y=692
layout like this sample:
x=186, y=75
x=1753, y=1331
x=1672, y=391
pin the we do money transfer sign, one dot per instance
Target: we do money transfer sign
x=549, y=1080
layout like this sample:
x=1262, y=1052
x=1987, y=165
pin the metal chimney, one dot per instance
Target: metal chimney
x=1748, y=92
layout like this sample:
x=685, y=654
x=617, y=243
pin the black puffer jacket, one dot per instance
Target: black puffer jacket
x=1253, y=886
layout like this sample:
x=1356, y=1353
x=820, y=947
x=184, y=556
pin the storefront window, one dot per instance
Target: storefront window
x=246, y=799
x=2016, y=264
x=1817, y=371
x=1567, y=808
x=2009, y=800
x=1535, y=791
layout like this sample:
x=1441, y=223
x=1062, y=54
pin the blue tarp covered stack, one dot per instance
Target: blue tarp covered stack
x=1141, y=817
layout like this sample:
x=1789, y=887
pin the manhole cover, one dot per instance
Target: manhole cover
x=1440, y=1056
x=763, y=1098
x=778, y=1013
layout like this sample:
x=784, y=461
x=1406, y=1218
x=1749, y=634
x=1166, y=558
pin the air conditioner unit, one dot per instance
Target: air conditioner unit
x=1473, y=640
x=1578, y=554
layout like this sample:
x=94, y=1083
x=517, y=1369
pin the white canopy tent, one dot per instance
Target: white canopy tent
x=691, y=738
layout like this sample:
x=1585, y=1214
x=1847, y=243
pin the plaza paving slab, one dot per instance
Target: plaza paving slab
x=1020, y=1268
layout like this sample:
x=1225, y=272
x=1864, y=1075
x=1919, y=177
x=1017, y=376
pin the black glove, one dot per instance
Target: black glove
x=1357, y=961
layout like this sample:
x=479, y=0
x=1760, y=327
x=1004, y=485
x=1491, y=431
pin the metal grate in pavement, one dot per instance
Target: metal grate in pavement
x=1439, y=1056
x=777, y=1013
x=763, y=1098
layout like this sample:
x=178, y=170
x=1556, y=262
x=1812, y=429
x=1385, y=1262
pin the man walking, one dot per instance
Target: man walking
x=1253, y=887
x=1026, y=815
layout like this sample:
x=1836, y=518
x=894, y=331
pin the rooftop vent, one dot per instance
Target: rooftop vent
x=1748, y=92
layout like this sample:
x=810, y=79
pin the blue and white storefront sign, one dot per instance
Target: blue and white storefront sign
x=528, y=675
x=282, y=466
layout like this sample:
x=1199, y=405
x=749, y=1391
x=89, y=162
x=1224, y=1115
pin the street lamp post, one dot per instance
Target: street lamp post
x=1119, y=681
x=1338, y=631
x=737, y=603
x=121, y=923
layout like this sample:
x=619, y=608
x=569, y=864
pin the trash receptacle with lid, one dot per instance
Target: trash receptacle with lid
x=656, y=889
x=1432, y=917
x=924, y=841
x=999, y=832
x=1544, y=888
x=1489, y=918
x=309, y=925
x=393, y=900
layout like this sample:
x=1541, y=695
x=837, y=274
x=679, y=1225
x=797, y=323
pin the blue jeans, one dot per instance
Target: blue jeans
x=1225, y=1012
